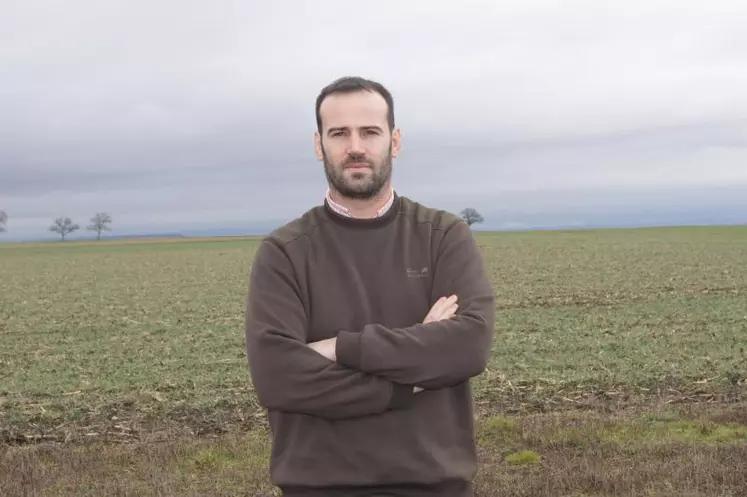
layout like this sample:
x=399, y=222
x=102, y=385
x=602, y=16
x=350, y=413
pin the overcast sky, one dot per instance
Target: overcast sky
x=179, y=115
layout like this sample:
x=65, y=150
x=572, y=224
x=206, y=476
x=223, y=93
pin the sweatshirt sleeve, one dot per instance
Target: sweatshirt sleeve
x=437, y=354
x=287, y=374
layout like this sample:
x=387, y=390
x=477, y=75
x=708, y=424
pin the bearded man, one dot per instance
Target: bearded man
x=366, y=318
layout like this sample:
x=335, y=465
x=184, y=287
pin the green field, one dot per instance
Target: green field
x=619, y=359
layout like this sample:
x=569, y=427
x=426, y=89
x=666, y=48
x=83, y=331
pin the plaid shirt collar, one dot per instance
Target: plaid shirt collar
x=343, y=211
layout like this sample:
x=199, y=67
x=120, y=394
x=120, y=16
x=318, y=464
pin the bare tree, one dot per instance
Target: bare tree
x=3, y=220
x=63, y=226
x=100, y=223
x=471, y=216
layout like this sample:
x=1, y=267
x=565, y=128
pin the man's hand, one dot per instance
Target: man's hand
x=326, y=348
x=444, y=308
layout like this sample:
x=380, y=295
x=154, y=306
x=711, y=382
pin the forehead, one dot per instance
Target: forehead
x=360, y=108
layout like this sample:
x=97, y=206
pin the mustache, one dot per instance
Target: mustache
x=356, y=159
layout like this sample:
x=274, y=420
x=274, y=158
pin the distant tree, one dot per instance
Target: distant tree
x=3, y=220
x=63, y=226
x=471, y=216
x=100, y=223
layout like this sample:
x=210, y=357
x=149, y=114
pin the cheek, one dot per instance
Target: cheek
x=329, y=152
x=335, y=156
x=384, y=153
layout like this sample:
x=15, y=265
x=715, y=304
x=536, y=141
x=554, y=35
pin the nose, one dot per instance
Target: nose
x=355, y=146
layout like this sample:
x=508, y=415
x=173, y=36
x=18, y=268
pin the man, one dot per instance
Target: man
x=366, y=318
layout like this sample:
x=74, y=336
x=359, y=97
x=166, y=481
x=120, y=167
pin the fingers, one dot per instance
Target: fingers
x=450, y=311
x=445, y=307
x=445, y=302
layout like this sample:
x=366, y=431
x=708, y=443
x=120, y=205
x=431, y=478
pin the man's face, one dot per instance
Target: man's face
x=355, y=144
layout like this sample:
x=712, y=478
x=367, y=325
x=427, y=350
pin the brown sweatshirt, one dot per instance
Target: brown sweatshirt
x=354, y=426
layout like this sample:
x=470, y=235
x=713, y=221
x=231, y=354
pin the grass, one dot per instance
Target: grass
x=564, y=454
x=133, y=351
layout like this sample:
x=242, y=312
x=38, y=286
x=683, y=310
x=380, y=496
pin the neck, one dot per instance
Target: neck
x=363, y=209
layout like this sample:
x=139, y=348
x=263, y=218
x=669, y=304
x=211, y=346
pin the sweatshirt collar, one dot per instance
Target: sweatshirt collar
x=343, y=211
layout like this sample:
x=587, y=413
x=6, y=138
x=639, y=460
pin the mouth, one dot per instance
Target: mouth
x=357, y=165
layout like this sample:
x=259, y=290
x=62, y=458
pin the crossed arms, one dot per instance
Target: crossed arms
x=374, y=369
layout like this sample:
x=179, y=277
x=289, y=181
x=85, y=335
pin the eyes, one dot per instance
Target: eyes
x=368, y=132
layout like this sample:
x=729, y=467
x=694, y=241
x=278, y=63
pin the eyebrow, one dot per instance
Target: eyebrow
x=345, y=128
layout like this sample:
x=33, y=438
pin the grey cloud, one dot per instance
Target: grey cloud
x=144, y=110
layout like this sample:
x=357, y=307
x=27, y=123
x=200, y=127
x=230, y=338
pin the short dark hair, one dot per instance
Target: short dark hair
x=350, y=84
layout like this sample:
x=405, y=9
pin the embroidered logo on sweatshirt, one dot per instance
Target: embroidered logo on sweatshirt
x=417, y=273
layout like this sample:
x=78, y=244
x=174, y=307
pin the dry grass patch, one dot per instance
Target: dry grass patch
x=233, y=465
x=559, y=454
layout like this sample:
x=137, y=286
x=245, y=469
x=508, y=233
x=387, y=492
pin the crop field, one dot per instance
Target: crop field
x=619, y=367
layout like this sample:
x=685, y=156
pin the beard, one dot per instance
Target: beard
x=360, y=185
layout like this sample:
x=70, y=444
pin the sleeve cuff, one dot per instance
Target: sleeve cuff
x=348, y=349
x=402, y=396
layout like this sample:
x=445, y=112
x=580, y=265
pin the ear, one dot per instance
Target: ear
x=396, y=142
x=318, y=146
